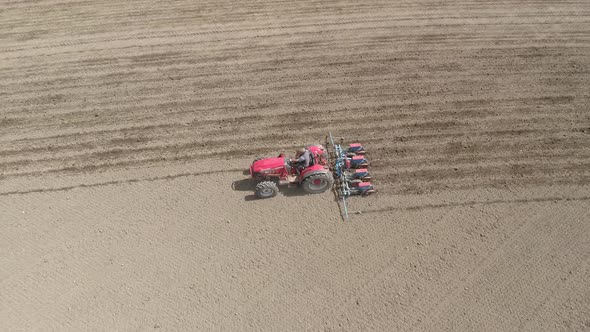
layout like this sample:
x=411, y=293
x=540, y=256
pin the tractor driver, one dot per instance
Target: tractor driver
x=302, y=159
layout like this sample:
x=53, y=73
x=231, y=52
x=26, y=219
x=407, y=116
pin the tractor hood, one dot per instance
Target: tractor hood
x=262, y=165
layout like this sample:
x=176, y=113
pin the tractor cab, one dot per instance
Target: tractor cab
x=319, y=155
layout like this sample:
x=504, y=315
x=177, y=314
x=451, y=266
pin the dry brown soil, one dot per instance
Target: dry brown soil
x=125, y=127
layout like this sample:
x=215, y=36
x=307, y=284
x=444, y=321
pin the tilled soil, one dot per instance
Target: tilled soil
x=125, y=128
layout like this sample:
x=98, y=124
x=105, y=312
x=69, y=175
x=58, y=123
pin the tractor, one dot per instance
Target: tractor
x=269, y=173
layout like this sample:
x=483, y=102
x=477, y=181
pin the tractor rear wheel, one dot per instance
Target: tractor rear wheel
x=266, y=189
x=318, y=183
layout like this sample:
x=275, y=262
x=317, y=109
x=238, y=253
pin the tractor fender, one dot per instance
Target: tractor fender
x=315, y=169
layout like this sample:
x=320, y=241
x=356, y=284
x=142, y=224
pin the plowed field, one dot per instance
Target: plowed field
x=125, y=127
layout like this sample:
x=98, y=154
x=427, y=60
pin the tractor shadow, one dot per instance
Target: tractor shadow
x=248, y=185
x=245, y=185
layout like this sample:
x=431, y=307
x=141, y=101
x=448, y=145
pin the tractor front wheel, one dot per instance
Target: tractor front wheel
x=318, y=183
x=266, y=189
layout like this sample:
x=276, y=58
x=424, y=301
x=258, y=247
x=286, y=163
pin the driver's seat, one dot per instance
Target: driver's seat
x=312, y=160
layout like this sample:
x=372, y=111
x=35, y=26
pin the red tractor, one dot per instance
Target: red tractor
x=281, y=170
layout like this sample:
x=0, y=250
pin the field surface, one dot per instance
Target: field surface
x=125, y=128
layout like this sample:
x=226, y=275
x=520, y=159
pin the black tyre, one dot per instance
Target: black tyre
x=318, y=183
x=266, y=189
